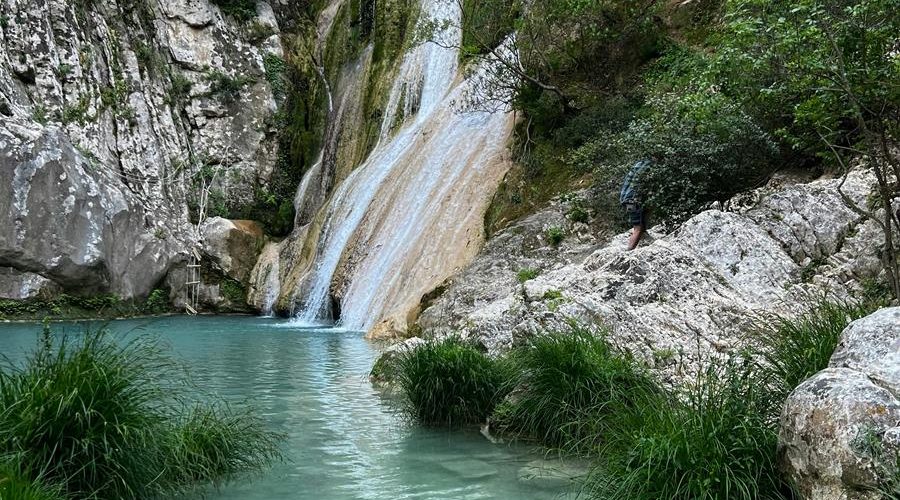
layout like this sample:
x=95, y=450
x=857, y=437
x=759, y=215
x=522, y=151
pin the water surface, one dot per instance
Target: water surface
x=344, y=441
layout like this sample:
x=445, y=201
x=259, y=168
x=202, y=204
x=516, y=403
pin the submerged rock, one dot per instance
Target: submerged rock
x=839, y=430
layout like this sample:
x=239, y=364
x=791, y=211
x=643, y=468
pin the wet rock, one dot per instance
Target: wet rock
x=839, y=430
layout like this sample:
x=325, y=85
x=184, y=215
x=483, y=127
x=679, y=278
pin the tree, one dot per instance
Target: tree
x=829, y=72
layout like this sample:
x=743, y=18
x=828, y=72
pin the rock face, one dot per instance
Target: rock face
x=108, y=111
x=840, y=430
x=59, y=222
x=233, y=245
x=680, y=297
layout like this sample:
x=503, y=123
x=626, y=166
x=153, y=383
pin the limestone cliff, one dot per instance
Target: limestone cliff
x=109, y=111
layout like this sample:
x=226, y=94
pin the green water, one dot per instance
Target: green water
x=344, y=441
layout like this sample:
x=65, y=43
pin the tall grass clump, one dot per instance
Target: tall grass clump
x=711, y=441
x=449, y=382
x=791, y=350
x=17, y=486
x=94, y=417
x=568, y=385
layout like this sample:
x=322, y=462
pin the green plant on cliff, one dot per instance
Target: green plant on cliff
x=241, y=10
x=97, y=418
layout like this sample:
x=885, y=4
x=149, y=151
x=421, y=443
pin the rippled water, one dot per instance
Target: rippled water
x=343, y=439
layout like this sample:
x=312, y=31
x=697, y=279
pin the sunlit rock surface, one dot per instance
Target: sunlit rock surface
x=679, y=297
x=840, y=430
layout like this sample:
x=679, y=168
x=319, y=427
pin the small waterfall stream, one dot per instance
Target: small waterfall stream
x=403, y=218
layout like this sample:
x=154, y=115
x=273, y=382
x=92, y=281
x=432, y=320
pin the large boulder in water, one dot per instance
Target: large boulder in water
x=70, y=221
x=233, y=245
x=840, y=430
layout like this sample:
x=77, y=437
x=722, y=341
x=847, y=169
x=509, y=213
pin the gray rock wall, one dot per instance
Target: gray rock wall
x=108, y=111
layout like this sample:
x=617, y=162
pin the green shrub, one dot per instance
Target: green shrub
x=527, y=274
x=225, y=86
x=449, y=382
x=98, y=419
x=569, y=384
x=710, y=442
x=241, y=10
x=555, y=235
x=703, y=148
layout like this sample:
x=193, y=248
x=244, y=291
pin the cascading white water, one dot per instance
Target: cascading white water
x=409, y=209
x=433, y=65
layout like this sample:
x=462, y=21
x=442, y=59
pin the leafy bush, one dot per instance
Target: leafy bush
x=568, y=385
x=225, y=86
x=702, y=147
x=449, y=382
x=555, y=235
x=96, y=418
x=712, y=441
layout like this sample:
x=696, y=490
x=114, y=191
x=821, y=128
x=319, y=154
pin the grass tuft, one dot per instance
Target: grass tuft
x=709, y=441
x=94, y=417
x=568, y=385
x=449, y=382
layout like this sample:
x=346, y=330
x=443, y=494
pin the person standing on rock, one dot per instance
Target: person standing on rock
x=631, y=199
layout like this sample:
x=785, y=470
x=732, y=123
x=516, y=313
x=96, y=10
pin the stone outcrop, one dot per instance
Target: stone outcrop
x=109, y=110
x=840, y=430
x=233, y=245
x=680, y=297
x=59, y=222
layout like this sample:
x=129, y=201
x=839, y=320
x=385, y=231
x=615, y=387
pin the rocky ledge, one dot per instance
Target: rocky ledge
x=680, y=297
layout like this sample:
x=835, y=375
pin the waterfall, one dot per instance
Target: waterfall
x=412, y=211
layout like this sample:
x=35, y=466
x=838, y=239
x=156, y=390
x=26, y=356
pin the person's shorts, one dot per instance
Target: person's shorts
x=635, y=213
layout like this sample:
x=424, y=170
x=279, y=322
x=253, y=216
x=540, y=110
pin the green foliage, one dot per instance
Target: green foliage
x=241, y=10
x=703, y=148
x=568, y=385
x=821, y=69
x=227, y=87
x=486, y=23
x=275, y=67
x=96, y=418
x=578, y=214
x=17, y=486
x=527, y=274
x=181, y=88
x=554, y=235
x=258, y=31
x=233, y=290
x=712, y=441
x=794, y=349
x=91, y=306
x=40, y=114
x=76, y=113
x=449, y=382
